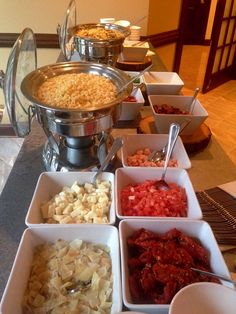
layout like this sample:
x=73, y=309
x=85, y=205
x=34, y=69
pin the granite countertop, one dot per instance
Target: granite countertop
x=15, y=199
x=18, y=191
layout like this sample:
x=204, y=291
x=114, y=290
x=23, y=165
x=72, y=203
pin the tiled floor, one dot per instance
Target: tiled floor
x=220, y=104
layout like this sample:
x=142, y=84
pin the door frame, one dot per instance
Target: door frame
x=222, y=75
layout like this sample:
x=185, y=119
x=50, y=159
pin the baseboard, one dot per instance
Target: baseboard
x=162, y=39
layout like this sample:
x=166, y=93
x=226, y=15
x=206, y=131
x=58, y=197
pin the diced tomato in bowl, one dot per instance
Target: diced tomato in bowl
x=146, y=200
x=138, y=197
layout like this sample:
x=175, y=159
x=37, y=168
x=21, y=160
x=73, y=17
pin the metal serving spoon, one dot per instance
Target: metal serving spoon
x=118, y=142
x=80, y=285
x=213, y=275
x=193, y=101
x=134, y=78
x=159, y=155
x=173, y=134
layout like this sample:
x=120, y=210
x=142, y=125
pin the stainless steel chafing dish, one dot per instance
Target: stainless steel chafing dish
x=99, y=50
x=75, y=122
x=89, y=49
x=76, y=139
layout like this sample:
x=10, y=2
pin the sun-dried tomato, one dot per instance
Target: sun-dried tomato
x=159, y=265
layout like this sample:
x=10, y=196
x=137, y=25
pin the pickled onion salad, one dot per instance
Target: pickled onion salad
x=146, y=200
x=140, y=159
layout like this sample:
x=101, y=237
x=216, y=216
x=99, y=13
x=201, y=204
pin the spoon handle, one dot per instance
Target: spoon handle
x=134, y=78
x=213, y=275
x=118, y=142
x=173, y=134
x=192, y=104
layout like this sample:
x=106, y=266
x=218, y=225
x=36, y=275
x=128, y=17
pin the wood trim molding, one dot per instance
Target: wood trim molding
x=7, y=40
x=162, y=39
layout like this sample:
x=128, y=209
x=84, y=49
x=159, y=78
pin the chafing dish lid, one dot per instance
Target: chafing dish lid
x=66, y=44
x=22, y=60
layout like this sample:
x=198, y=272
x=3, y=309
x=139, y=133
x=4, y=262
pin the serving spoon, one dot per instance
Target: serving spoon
x=159, y=155
x=118, y=142
x=133, y=79
x=213, y=275
x=80, y=285
x=193, y=101
x=173, y=134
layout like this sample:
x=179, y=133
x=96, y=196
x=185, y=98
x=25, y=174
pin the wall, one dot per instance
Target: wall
x=45, y=15
x=163, y=16
x=166, y=54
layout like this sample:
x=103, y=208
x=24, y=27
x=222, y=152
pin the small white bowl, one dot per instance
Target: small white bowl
x=163, y=121
x=134, y=51
x=130, y=110
x=17, y=282
x=197, y=229
x=134, y=142
x=137, y=175
x=204, y=297
x=51, y=183
x=123, y=23
x=166, y=83
x=109, y=20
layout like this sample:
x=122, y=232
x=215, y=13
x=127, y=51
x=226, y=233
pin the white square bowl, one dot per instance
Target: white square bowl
x=134, y=51
x=193, y=228
x=51, y=183
x=17, y=282
x=130, y=110
x=134, y=142
x=162, y=83
x=163, y=121
x=137, y=175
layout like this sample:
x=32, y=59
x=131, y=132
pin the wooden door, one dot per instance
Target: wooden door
x=195, y=17
x=221, y=65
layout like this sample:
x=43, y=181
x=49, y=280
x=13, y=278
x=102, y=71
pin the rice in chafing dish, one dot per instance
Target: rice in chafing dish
x=99, y=33
x=77, y=90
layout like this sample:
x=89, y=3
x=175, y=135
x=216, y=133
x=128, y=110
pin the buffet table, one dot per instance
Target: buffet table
x=210, y=168
x=19, y=188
